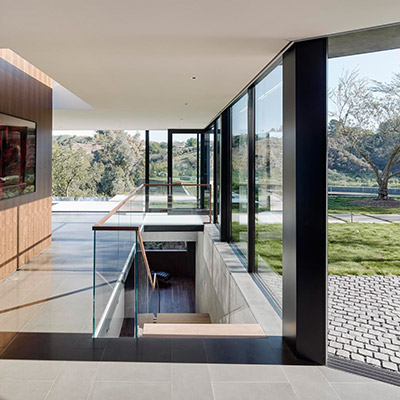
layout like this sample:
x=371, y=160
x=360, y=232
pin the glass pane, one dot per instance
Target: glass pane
x=218, y=167
x=147, y=291
x=158, y=157
x=185, y=161
x=268, y=207
x=113, y=256
x=239, y=174
x=364, y=207
x=17, y=156
x=208, y=165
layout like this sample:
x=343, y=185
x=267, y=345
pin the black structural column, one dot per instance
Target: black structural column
x=251, y=134
x=305, y=199
x=226, y=181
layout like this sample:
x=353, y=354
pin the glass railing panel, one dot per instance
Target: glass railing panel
x=146, y=288
x=157, y=198
x=114, y=252
x=118, y=247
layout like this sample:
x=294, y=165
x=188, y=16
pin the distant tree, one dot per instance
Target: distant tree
x=109, y=163
x=365, y=126
x=70, y=168
x=191, y=142
x=155, y=148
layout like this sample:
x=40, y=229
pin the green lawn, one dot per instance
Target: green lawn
x=341, y=205
x=364, y=249
x=353, y=248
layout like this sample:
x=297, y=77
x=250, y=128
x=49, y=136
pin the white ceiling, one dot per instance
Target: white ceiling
x=132, y=60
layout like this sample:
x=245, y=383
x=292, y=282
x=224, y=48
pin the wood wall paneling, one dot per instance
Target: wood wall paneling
x=8, y=242
x=25, y=221
x=19, y=62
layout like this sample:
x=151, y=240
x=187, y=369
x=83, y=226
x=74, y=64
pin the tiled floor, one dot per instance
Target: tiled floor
x=53, y=293
x=38, y=299
x=118, y=380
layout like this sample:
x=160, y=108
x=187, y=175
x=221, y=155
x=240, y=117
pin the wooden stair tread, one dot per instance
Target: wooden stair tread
x=183, y=318
x=203, y=330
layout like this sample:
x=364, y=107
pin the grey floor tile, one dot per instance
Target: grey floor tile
x=191, y=390
x=317, y=391
x=335, y=375
x=131, y=390
x=300, y=374
x=125, y=371
x=309, y=383
x=191, y=381
x=246, y=373
x=74, y=381
x=253, y=391
x=367, y=391
x=29, y=370
x=23, y=390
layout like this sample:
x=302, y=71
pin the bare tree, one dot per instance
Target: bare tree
x=367, y=120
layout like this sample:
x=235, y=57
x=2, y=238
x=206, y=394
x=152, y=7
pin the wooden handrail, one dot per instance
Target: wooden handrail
x=100, y=225
x=119, y=205
x=146, y=262
x=129, y=197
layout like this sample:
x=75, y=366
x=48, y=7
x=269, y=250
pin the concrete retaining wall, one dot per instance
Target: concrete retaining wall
x=225, y=290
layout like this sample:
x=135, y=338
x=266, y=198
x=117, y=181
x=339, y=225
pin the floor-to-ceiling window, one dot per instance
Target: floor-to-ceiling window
x=186, y=166
x=218, y=170
x=208, y=162
x=239, y=174
x=268, y=181
x=158, y=157
x=364, y=201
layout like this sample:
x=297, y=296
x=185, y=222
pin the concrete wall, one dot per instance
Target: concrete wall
x=225, y=290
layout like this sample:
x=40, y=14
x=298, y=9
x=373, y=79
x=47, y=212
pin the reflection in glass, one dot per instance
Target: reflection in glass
x=268, y=207
x=239, y=174
x=208, y=163
x=17, y=156
x=185, y=161
x=218, y=171
x=158, y=157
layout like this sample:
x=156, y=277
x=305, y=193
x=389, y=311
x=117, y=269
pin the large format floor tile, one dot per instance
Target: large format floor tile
x=309, y=383
x=247, y=373
x=131, y=372
x=74, y=381
x=131, y=390
x=53, y=292
x=253, y=391
x=191, y=381
x=367, y=391
x=23, y=390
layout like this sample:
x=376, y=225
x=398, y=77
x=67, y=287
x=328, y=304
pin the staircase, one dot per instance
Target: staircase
x=191, y=325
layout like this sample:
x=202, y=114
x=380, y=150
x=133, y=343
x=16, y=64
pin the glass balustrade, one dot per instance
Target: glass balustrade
x=125, y=292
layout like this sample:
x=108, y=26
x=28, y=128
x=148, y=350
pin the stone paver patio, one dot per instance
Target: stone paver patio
x=363, y=317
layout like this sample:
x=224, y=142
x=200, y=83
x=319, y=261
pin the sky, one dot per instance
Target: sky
x=378, y=66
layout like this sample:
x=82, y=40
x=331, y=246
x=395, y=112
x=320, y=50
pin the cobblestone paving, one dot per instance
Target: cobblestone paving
x=364, y=319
